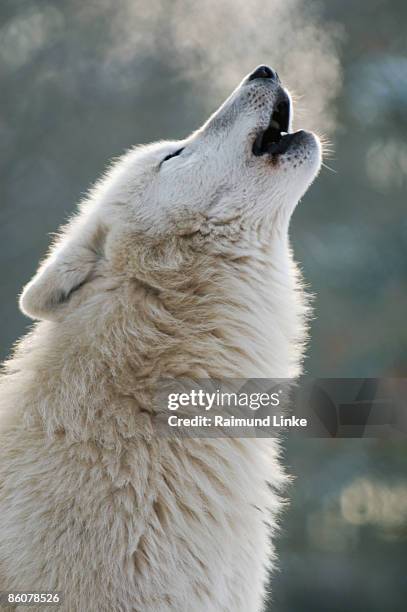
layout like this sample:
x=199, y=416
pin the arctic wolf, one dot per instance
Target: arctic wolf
x=177, y=264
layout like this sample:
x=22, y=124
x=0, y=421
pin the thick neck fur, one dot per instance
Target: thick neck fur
x=204, y=311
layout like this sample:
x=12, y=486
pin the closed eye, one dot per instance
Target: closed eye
x=170, y=155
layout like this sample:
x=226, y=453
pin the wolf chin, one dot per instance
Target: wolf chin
x=177, y=264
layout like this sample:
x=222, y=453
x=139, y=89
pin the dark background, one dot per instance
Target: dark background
x=81, y=81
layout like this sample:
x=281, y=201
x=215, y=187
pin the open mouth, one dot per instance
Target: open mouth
x=275, y=140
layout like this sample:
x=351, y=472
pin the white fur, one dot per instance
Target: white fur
x=181, y=268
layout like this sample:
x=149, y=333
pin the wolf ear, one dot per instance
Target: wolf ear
x=71, y=263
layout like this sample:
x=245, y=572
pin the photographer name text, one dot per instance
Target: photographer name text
x=231, y=421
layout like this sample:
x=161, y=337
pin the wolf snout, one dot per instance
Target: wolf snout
x=263, y=72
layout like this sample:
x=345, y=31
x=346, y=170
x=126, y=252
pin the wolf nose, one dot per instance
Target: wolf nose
x=264, y=72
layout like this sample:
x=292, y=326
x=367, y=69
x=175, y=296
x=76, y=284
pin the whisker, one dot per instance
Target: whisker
x=329, y=168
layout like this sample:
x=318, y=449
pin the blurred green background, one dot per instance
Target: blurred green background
x=81, y=81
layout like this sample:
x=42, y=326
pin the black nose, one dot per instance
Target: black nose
x=263, y=72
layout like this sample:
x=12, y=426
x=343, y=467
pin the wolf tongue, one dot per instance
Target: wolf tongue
x=266, y=140
x=282, y=145
x=273, y=135
x=273, y=148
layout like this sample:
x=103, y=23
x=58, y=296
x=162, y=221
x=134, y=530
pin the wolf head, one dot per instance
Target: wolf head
x=241, y=174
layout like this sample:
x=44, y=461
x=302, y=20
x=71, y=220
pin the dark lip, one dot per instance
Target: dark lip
x=275, y=140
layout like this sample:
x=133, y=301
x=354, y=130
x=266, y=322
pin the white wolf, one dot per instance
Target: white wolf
x=177, y=264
